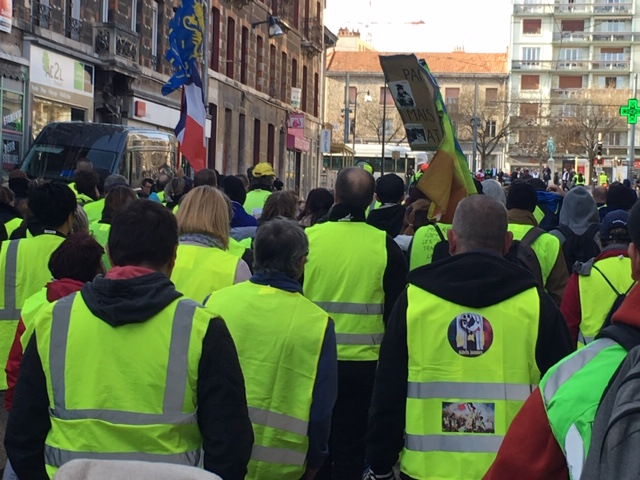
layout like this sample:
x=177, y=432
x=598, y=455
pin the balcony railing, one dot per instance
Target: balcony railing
x=571, y=65
x=614, y=9
x=40, y=14
x=112, y=42
x=73, y=28
x=586, y=8
x=572, y=36
x=520, y=9
x=612, y=36
x=617, y=65
x=565, y=93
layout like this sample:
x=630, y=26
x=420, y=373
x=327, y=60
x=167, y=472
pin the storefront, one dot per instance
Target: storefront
x=62, y=89
x=298, y=147
x=12, y=102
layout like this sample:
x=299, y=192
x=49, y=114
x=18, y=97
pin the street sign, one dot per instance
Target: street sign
x=631, y=111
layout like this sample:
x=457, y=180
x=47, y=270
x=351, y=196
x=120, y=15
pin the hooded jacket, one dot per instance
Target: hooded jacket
x=133, y=295
x=476, y=279
x=388, y=217
x=55, y=291
x=543, y=457
x=579, y=210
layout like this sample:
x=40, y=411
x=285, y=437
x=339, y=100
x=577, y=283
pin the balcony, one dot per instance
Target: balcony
x=40, y=14
x=613, y=9
x=73, y=27
x=572, y=65
x=611, y=65
x=570, y=8
x=117, y=46
x=612, y=37
x=521, y=9
x=532, y=65
x=566, y=93
x=312, y=37
x=572, y=37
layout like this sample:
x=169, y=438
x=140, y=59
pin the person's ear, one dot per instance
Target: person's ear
x=453, y=241
x=508, y=240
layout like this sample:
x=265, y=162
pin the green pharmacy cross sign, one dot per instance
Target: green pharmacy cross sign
x=631, y=111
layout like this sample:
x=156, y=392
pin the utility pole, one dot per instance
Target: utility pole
x=384, y=125
x=632, y=147
x=346, y=109
x=474, y=143
x=355, y=117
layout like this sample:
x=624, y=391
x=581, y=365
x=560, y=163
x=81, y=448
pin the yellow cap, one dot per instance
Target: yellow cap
x=263, y=169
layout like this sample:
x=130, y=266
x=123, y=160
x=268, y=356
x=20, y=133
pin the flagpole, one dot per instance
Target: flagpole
x=205, y=72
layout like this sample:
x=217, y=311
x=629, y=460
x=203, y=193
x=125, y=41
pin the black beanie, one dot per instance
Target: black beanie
x=522, y=195
x=620, y=197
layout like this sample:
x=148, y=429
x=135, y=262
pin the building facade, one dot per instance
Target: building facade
x=368, y=102
x=103, y=61
x=572, y=66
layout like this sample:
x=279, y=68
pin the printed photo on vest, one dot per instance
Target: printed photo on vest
x=468, y=417
x=470, y=334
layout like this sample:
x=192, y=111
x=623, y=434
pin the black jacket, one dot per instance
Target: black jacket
x=476, y=280
x=7, y=212
x=389, y=218
x=222, y=407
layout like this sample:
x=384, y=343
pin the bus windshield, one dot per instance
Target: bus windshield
x=59, y=161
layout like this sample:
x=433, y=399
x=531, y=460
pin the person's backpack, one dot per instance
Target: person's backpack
x=441, y=249
x=578, y=248
x=620, y=296
x=615, y=434
x=522, y=254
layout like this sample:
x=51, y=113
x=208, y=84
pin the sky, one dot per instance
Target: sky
x=475, y=25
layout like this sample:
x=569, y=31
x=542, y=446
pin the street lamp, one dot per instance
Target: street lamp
x=274, y=27
x=367, y=98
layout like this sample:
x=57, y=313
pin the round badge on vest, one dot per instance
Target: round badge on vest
x=470, y=334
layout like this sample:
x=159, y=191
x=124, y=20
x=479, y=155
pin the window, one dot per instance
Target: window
x=530, y=82
x=316, y=95
x=296, y=14
x=610, y=82
x=256, y=141
x=491, y=96
x=613, y=26
x=271, y=140
x=490, y=128
x=304, y=87
x=105, y=11
x=570, y=54
x=294, y=73
x=272, y=71
x=154, y=34
x=134, y=14
x=283, y=76
x=215, y=41
x=527, y=137
x=612, y=54
x=231, y=46
x=385, y=96
x=73, y=25
x=306, y=18
x=451, y=96
x=615, y=139
x=353, y=94
x=565, y=111
x=529, y=109
x=531, y=26
x=572, y=25
x=244, y=47
x=260, y=63
x=570, y=81
x=531, y=56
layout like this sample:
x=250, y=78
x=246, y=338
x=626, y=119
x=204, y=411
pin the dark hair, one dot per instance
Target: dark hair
x=522, y=195
x=117, y=198
x=620, y=197
x=78, y=257
x=354, y=187
x=205, y=176
x=6, y=195
x=52, y=203
x=317, y=205
x=234, y=188
x=633, y=224
x=279, y=246
x=389, y=188
x=279, y=204
x=87, y=182
x=144, y=233
x=148, y=180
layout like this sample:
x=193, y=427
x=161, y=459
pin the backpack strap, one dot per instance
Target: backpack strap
x=440, y=234
x=625, y=335
x=595, y=267
x=531, y=236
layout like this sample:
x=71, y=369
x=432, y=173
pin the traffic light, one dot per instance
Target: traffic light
x=599, y=149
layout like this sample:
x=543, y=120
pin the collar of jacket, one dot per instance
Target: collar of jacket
x=522, y=217
x=344, y=212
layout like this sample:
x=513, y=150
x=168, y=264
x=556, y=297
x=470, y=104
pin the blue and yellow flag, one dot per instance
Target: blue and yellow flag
x=186, y=34
x=448, y=179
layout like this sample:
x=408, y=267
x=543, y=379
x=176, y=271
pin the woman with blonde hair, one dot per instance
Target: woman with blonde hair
x=203, y=264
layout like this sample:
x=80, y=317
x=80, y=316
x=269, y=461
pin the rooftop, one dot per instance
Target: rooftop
x=455, y=62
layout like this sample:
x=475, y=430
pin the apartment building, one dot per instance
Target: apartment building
x=572, y=64
x=103, y=61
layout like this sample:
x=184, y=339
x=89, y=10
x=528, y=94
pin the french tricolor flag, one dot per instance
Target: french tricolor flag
x=193, y=118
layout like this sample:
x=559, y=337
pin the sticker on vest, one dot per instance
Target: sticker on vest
x=470, y=334
x=468, y=417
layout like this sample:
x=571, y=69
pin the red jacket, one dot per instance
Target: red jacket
x=570, y=306
x=55, y=291
x=529, y=450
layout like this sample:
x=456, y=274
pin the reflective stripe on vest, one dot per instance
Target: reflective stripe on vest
x=571, y=392
x=265, y=322
x=168, y=428
x=9, y=310
x=176, y=373
x=424, y=242
x=469, y=372
x=597, y=296
x=344, y=276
